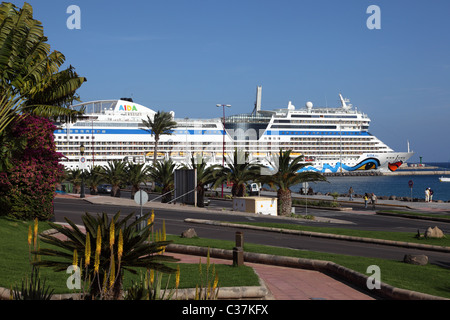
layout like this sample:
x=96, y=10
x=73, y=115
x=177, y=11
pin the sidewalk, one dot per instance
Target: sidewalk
x=291, y=283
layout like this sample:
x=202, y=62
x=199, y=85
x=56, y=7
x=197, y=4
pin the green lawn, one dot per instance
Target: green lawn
x=14, y=264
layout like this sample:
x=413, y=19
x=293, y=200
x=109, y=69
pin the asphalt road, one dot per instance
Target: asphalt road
x=175, y=224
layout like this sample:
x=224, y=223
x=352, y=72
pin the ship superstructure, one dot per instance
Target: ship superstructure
x=329, y=139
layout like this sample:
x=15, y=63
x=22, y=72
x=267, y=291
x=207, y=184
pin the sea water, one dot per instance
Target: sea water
x=387, y=185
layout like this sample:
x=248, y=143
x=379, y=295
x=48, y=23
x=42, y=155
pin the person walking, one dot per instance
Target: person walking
x=427, y=194
x=374, y=200
x=366, y=200
x=350, y=193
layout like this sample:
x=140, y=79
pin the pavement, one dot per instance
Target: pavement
x=293, y=282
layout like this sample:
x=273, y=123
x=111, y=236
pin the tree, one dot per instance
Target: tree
x=95, y=177
x=285, y=174
x=239, y=171
x=74, y=176
x=162, y=123
x=115, y=174
x=137, y=174
x=205, y=175
x=33, y=89
x=162, y=173
x=30, y=80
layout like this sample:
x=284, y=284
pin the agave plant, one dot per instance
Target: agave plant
x=33, y=288
x=110, y=257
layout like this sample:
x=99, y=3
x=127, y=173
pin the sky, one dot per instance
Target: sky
x=187, y=56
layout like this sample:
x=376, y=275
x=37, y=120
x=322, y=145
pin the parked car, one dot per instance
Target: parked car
x=253, y=189
x=104, y=188
x=206, y=201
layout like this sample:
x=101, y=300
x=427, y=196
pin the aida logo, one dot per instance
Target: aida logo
x=127, y=108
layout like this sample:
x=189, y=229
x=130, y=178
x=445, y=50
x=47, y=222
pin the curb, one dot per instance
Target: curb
x=358, y=279
x=323, y=235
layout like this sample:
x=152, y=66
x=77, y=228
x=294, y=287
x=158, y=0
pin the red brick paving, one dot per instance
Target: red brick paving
x=291, y=283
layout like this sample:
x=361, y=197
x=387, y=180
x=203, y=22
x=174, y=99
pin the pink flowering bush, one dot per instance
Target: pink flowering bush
x=27, y=189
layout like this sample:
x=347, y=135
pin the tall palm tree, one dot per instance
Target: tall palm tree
x=162, y=123
x=30, y=80
x=239, y=171
x=285, y=174
x=205, y=175
x=162, y=173
x=136, y=174
x=115, y=174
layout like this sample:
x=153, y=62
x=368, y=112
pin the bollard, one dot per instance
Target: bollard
x=141, y=225
x=238, y=250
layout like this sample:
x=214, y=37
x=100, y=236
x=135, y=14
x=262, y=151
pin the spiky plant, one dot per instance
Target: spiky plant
x=110, y=257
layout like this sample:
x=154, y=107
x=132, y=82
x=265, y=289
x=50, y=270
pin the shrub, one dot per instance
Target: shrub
x=28, y=187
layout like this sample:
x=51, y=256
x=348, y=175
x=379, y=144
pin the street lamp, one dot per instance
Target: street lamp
x=82, y=194
x=223, y=143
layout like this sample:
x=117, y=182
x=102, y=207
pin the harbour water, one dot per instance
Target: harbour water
x=387, y=185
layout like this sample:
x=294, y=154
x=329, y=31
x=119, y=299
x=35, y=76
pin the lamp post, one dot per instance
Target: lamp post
x=82, y=194
x=223, y=143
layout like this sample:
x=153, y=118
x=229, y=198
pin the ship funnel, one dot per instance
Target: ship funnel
x=258, y=98
x=257, y=107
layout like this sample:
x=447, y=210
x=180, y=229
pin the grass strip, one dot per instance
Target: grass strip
x=383, y=235
x=417, y=214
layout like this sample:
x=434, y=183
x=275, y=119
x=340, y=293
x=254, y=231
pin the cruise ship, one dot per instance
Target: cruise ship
x=330, y=139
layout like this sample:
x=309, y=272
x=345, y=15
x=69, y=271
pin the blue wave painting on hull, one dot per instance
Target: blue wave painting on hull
x=367, y=164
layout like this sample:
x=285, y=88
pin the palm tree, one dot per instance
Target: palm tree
x=239, y=171
x=94, y=178
x=30, y=80
x=74, y=176
x=205, y=175
x=162, y=173
x=285, y=174
x=114, y=173
x=137, y=174
x=162, y=123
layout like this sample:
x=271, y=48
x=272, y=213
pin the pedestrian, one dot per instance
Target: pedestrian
x=431, y=195
x=366, y=200
x=350, y=193
x=374, y=200
x=427, y=194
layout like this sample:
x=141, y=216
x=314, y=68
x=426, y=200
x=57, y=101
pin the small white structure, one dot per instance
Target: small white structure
x=261, y=205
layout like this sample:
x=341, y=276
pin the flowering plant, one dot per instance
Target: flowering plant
x=27, y=188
